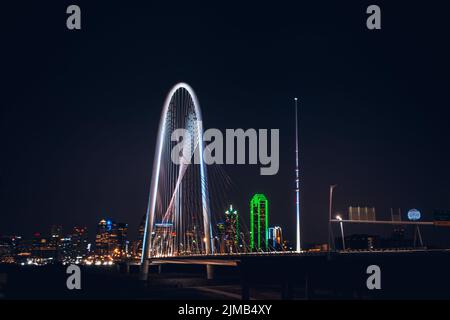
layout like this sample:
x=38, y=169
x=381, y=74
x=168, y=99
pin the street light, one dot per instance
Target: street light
x=338, y=217
x=329, y=215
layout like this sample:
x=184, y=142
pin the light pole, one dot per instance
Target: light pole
x=338, y=217
x=329, y=215
x=298, y=246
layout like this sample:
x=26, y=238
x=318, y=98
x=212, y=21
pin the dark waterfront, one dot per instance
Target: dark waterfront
x=406, y=275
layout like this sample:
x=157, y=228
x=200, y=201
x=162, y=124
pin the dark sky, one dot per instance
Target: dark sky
x=80, y=109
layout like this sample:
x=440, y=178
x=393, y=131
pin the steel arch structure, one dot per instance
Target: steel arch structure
x=162, y=135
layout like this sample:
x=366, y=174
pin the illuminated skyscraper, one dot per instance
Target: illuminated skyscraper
x=259, y=221
x=42, y=247
x=276, y=238
x=79, y=242
x=8, y=248
x=111, y=239
x=119, y=241
x=102, y=238
x=54, y=240
x=231, y=230
x=220, y=246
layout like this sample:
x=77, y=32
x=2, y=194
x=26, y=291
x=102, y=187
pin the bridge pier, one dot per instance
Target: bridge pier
x=245, y=285
x=209, y=272
x=307, y=287
x=245, y=290
x=143, y=274
x=287, y=290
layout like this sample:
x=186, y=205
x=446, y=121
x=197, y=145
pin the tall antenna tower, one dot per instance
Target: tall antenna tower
x=297, y=180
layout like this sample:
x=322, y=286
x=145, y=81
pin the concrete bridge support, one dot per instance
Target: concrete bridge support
x=209, y=272
x=143, y=274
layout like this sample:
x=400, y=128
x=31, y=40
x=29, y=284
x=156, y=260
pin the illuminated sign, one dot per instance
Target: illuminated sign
x=414, y=215
x=108, y=225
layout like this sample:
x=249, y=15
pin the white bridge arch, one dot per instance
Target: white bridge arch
x=181, y=93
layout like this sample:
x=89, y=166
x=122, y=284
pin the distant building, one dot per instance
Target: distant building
x=359, y=242
x=6, y=246
x=56, y=231
x=374, y=242
x=259, y=221
x=398, y=233
x=163, y=237
x=231, y=230
x=192, y=241
x=66, y=250
x=102, y=238
x=316, y=247
x=120, y=233
x=54, y=240
x=7, y=250
x=79, y=242
x=287, y=246
x=111, y=239
x=398, y=239
x=43, y=248
x=136, y=246
x=23, y=249
x=220, y=237
x=275, y=238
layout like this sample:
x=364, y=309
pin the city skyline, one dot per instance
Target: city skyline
x=109, y=242
x=229, y=225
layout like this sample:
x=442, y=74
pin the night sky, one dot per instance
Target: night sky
x=80, y=109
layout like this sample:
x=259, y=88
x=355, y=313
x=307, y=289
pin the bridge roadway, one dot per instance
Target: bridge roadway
x=406, y=273
x=235, y=258
x=231, y=260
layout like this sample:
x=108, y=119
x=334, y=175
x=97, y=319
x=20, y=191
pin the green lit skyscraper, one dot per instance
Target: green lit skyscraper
x=259, y=223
